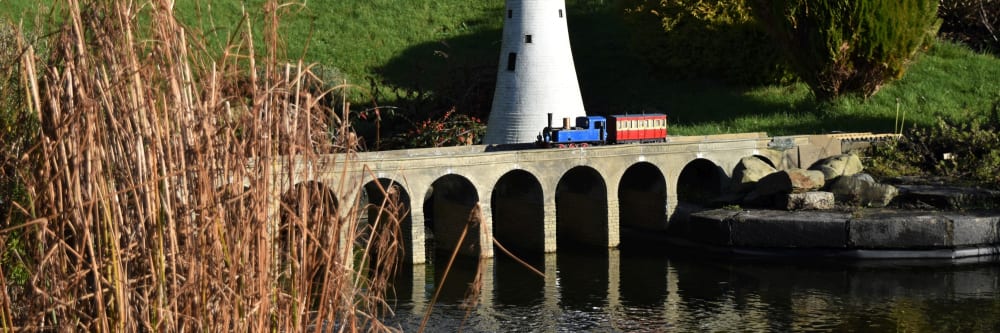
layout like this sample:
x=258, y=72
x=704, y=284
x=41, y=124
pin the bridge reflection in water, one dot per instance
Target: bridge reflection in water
x=625, y=291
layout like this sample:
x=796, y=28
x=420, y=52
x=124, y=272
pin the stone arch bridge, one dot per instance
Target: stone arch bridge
x=536, y=200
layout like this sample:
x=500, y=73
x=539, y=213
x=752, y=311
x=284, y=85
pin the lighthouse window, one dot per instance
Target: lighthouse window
x=510, y=13
x=511, y=61
x=527, y=38
x=560, y=13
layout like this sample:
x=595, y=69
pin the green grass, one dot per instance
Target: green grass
x=426, y=56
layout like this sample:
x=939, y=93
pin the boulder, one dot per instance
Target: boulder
x=839, y=165
x=783, y=182
x=748, y=172
x=861, y=189
x=814, y=200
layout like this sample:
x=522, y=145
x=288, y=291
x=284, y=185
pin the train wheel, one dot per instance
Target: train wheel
x=572, y=145
x=562, y=146
x=584, y=145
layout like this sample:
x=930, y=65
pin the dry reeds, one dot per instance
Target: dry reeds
x=153, y=186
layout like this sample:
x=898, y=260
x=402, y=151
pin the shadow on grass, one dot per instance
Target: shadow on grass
x=461, y=72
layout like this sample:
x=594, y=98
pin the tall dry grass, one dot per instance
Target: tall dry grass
x=154, y=185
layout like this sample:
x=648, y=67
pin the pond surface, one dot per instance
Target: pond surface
x=637, y=290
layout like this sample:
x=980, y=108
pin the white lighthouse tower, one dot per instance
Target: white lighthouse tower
x=536, y=74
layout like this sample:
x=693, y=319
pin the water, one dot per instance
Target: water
x=635, y=291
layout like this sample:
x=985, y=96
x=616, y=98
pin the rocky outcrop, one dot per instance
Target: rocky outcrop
x=862, y=190
x=756, y=183
x=839, y=165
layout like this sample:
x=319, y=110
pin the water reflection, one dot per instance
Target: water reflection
x=615, y=291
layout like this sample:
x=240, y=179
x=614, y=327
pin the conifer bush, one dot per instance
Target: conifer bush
x=849, y=46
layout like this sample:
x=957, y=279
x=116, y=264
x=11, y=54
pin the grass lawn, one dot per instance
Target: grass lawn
x=426, y=56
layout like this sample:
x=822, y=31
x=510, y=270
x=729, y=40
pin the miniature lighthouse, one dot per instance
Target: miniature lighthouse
x=536, y=75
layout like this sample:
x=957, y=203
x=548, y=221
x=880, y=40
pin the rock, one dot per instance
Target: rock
x=748, y=172
x=790, y=181
x=807, y=201
x=861, y=189
x=863, y=177
x=839, y=165
x=784, y=182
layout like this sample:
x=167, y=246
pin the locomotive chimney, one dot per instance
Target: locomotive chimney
x=550, y=119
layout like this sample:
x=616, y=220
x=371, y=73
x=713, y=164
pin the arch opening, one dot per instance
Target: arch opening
x=386, y=206
x=700, y=184
x=642, y=199
x=452, y=204
x=384, y=210
x=581, y=209
x=518, y=208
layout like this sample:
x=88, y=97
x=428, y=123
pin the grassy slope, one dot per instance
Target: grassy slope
x=445, y=51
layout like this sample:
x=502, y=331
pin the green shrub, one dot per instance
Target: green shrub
x=698, y=39
x=973, y=22
x=957, y=151
x=849, y=46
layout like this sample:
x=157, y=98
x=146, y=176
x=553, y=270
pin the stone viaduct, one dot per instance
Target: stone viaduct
x=535, y=200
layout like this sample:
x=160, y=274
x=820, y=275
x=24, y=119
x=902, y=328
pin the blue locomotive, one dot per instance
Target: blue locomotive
x=598, y=130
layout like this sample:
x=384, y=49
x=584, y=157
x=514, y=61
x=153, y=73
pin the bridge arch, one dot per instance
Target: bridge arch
x=309, y=202
x=642, y=198
x=518, y=209
x=582, y=208
x=385, y=207
x=451, y=204
x=700, y=183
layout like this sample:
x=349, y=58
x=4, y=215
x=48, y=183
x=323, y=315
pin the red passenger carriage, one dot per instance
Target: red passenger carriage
x=637, y=128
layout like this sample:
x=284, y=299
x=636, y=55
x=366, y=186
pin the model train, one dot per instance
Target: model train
x=598, y=130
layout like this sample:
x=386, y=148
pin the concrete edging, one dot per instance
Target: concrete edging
x=865, y=234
